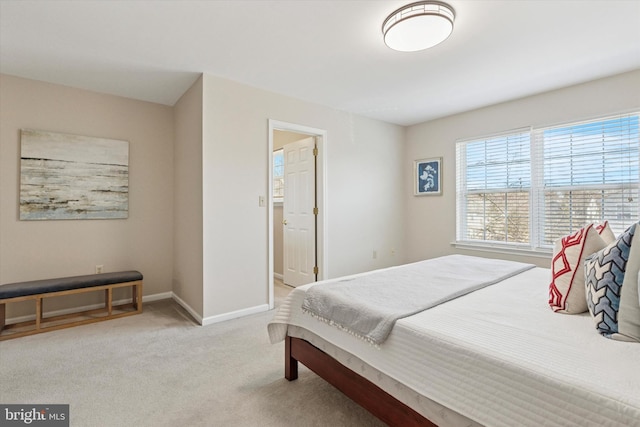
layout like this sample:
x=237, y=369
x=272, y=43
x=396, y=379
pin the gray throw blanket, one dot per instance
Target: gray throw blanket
x=368, y=306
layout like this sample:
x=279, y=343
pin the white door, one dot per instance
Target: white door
x=299, y=222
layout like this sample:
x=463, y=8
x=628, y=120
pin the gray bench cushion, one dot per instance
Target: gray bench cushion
x=66, y=283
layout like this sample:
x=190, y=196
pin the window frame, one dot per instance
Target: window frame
x=536, y=192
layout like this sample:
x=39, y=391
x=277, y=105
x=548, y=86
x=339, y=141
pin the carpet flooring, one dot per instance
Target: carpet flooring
x=161, y=369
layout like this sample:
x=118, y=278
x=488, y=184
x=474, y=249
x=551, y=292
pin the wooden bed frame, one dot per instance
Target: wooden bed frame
x=362, y=391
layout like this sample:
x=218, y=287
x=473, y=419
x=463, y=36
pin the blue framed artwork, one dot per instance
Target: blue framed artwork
x=428, y=177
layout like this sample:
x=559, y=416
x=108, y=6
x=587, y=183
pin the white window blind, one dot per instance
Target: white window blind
x=494, y=180
x=529, y=187
x=588, y=172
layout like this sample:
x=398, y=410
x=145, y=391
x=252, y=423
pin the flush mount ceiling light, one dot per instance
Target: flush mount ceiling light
x=418, y=26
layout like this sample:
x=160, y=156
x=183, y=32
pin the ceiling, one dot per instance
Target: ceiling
x=328, y=52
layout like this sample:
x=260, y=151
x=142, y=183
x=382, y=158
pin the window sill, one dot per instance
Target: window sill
x=503, y=249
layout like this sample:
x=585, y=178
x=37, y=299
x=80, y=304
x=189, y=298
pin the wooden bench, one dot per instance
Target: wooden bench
x=39, y=290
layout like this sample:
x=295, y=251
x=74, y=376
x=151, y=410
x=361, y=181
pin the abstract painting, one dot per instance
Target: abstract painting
x=73, y=177
x=427, y=177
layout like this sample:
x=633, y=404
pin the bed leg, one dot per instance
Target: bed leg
x=290, y=364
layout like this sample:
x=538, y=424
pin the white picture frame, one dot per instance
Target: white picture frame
x=427, y=177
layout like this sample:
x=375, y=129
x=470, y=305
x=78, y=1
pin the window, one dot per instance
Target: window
x=278, y=175
x=495, y=187
x=530, y=187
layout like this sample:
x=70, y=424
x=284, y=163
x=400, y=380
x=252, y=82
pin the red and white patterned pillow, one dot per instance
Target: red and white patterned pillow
x=604, y=230
x=567, y=291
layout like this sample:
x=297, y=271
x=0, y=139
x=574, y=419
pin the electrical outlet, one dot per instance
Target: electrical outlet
x=375, y=254
x=99, y=268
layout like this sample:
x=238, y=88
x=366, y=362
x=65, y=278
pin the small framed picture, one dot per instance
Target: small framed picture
x=427, y=177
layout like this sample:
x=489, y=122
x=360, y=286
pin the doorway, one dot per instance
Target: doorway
x=280, y=134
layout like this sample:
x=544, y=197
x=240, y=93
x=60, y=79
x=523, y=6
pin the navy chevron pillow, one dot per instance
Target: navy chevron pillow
x=604, y=278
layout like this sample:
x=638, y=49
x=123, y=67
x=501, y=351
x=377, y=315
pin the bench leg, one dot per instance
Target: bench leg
x=137, y=297
x=38, y=312
x=2, y=316
x=108, y=298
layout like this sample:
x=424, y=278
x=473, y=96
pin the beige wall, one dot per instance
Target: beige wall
x=431, y=221
x=196, y=172
x=198, y=169
x=282, y=138
x=364, y=179
x=44, y=249
x=187, y=201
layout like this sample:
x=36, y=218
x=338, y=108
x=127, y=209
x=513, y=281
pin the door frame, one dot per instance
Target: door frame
x=321, y=183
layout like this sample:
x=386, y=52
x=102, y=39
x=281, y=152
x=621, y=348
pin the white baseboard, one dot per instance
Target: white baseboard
x=234, y=314
x=220, y=317
x=149, y=298
x=187, y=307
x=145, y=298
x=157, y=297
x=278, y=276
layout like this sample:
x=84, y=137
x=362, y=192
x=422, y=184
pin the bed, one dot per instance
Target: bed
x=495, y=356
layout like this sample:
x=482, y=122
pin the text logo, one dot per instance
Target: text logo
x=34, y=415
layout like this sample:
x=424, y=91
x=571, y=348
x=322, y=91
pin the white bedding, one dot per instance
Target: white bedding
x=369, y=306
x=500, y=356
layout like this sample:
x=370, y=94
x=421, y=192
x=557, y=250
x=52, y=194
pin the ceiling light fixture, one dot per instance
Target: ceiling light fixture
x=418, y=26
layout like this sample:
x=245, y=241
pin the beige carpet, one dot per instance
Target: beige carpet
x=160, y=369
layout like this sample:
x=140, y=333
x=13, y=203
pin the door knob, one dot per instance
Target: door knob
x=284, y=221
